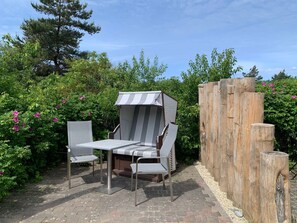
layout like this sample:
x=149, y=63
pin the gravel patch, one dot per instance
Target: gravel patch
x=226, y=204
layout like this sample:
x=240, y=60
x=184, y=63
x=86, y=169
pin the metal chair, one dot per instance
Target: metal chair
x=80, y=132
x=162, y=167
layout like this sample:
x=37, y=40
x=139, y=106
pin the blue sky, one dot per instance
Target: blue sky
x=262, y=32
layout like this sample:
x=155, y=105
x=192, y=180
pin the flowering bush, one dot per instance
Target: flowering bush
x=39, y=125
x=281, y=110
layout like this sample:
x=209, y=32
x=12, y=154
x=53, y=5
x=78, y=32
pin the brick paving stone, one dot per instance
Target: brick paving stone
x=51, y=201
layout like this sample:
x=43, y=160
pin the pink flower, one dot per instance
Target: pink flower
x=82, y=97
x=16, y=128
x=37, y=115
x=23, y=124
x=55, y=119
x=64, y=101
x=1, y=173
x=294, y=97
x=271, y=85
x=263, y=84
x=15, y=113
x=16, y=119
x=58, y=106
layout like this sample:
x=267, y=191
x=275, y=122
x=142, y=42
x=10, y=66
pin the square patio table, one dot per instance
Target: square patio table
x=109, y=145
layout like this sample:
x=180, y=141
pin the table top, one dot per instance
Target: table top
x=108, y=144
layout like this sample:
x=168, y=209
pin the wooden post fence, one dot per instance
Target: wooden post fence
x=232, y=137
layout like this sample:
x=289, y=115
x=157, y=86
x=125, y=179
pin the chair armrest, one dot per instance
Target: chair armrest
x=145, y=158
x=133, y=155
x=158, y=157
x=159, y=141
x=114, y=132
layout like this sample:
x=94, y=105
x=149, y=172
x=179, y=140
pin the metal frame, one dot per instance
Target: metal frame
x=163, y=172
x=69, y=166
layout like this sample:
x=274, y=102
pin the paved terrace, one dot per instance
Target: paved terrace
x=51, y=201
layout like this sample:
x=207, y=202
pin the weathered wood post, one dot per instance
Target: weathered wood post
x=230, y=140
x=214, y=134
x=262, y=140
x=274, y=187
x=252, y=111
x=202, y=119
x=222, y=136
x=209, y=114
x=240, y=86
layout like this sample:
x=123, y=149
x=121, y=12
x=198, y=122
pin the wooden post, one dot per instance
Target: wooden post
x=240, y=86
x=209, y=113
x=223, y=181
x=274, y=187
x=230, y=140
x=262, y=140
x=214, y=134
x=202, y=119
x=252, y=110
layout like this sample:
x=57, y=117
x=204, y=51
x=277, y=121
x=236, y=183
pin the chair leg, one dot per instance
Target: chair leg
x=69, y=174
x=68, y=167
x=131, y=180
x=136, y=176
x=163, y=179
x=170, y=184
x=101, y=167
x=93, y=168
x=169, y=176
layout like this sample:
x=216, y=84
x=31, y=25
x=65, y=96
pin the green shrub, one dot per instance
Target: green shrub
x=280, y=109
x=12, y=171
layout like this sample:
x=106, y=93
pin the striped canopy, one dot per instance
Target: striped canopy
x=140, y=98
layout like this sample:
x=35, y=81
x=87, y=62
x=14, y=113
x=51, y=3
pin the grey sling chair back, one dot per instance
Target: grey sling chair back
x=80, y=132
x=163, y=167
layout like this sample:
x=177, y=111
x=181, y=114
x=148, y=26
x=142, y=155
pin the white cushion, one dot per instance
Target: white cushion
x=145, y=151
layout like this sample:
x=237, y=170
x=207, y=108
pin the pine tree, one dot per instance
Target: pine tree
x=254, y=72
x=59, y=34
x=280, y=76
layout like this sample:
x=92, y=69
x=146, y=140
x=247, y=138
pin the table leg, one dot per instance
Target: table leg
x=107, y=188
x=109, y=174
